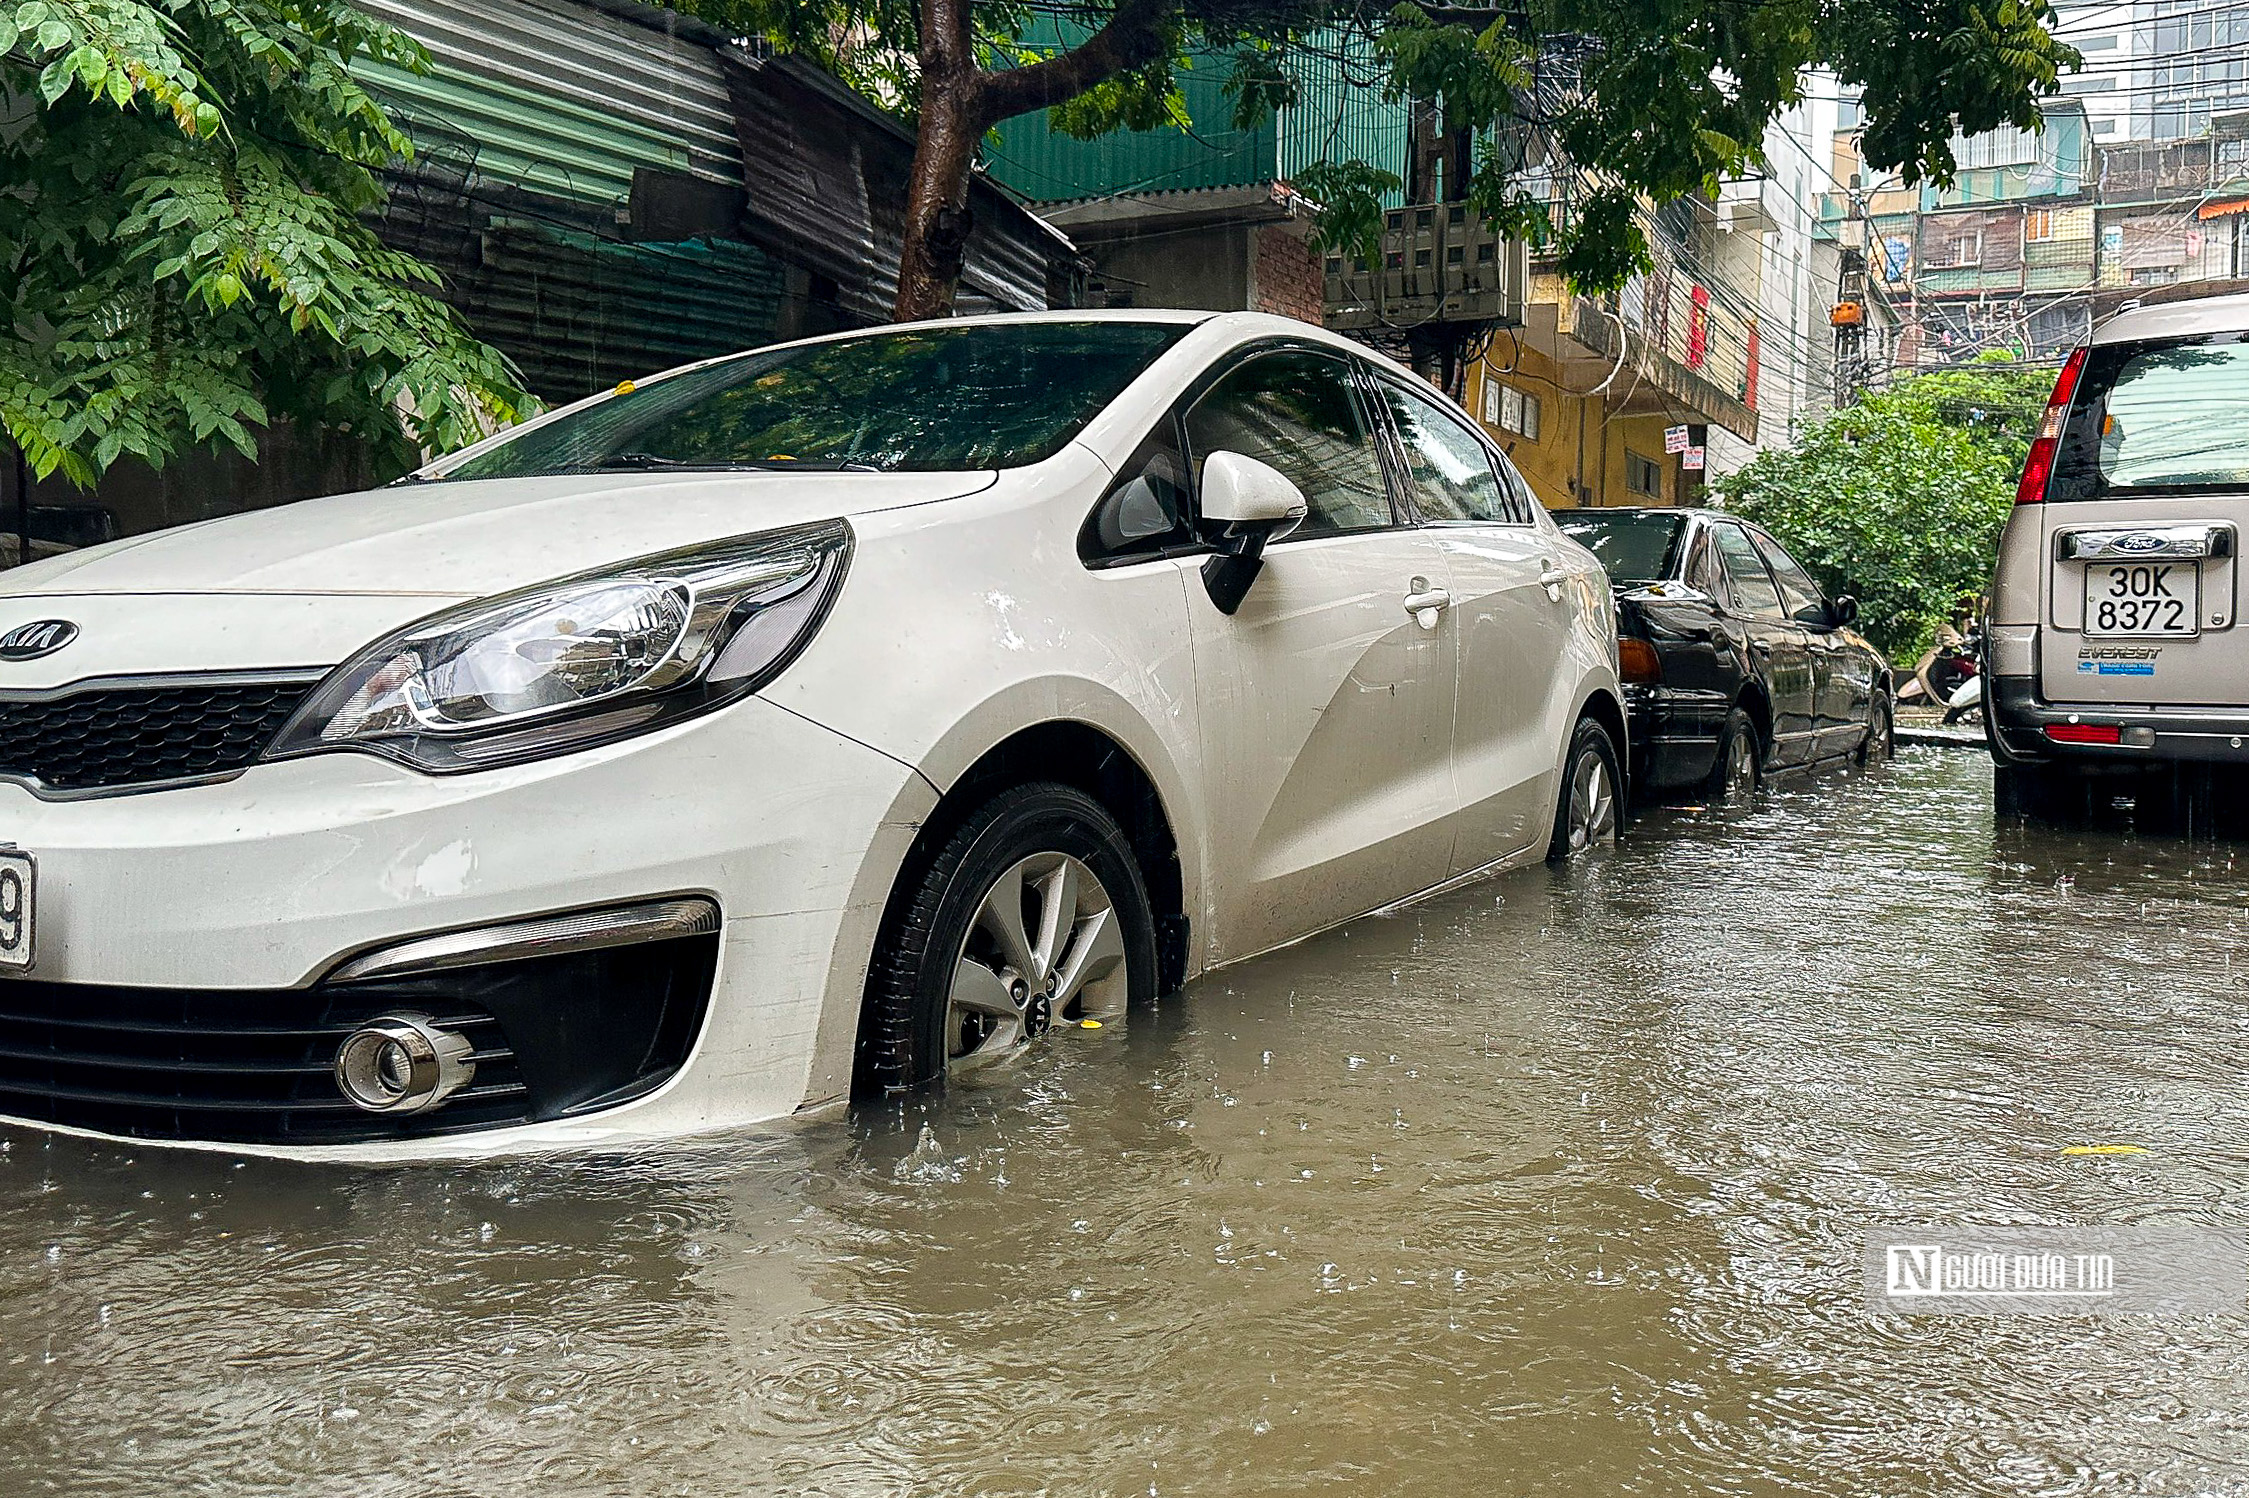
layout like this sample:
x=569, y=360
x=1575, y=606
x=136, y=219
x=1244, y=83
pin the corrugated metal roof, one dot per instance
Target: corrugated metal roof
x=559, y=96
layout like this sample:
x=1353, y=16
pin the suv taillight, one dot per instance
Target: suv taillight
x=2039, y=466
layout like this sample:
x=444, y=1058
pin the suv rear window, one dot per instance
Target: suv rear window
x=2169, y=417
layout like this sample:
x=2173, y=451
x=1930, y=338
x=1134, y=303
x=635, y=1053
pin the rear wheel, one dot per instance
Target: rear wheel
x=2046, y=793
x=1033, y=914
x=1735, y=773
x=1587, y=813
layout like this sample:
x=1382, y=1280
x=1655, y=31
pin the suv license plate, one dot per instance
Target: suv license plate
x=18, y=886
x=2143, y=599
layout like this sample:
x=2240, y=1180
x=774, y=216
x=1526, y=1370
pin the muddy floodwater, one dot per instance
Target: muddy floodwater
x=1556, y=1185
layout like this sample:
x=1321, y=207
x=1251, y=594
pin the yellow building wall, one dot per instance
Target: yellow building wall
x=1574, y=444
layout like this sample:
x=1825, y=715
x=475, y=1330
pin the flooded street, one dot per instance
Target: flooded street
x=1556, y=1185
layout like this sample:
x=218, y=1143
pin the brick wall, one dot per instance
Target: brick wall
x=1287, y=277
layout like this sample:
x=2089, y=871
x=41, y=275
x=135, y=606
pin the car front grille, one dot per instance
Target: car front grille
x=551, y=1037
x=121, y=734
x=230, y=1067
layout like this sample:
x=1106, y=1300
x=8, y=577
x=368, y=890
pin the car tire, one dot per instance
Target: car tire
x=1740, y=765
x=942, y=983
x=2044, y=793
x=1590, y=809
x=1881, y=741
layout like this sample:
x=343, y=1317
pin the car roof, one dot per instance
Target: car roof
x=1563, y=517
x=2209, y=314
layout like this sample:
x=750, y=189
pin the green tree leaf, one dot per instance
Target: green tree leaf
x=184, y=249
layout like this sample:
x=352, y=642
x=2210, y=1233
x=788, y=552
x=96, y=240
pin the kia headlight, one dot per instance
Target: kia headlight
x=582, y=660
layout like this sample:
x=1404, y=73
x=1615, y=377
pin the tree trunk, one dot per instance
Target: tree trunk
x=937, y=216
x=960, y=101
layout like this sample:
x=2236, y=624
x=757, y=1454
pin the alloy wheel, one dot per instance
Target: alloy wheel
x=1592, y=802
x=1045, y=947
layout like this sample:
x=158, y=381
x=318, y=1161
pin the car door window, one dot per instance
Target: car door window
x=1704, y=570
x=1146, y=511
x=1450, y=469
x=1299, y=412
x=1520, y=500
x=1800, y=596
x=1753, y=588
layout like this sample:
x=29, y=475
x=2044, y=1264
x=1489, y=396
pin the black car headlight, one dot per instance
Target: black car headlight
x=581, y=660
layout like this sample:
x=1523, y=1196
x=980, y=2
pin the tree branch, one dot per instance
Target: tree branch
x=1131, y=38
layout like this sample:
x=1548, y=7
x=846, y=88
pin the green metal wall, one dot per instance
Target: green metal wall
x=1341, y=115
x=1338, y=116
x=1046, y=166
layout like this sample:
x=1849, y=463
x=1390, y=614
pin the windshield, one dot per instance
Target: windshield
x=1634, y=548
x=984, y=395
x=2164, y=418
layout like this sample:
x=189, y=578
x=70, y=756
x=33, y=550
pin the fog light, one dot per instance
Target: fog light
x=402, y=1063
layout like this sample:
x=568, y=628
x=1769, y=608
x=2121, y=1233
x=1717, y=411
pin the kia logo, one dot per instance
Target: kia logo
x=28, y=642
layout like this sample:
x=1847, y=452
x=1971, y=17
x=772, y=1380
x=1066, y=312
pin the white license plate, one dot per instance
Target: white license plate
x=2142, y=599
x=18, y=889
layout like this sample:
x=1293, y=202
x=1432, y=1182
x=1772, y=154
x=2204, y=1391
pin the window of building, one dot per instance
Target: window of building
x=1643, y=475
x=1510, y=409
x=2038, y=225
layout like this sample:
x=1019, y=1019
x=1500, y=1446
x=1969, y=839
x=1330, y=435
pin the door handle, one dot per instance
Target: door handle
x=1551, y=578
x=1424, y=603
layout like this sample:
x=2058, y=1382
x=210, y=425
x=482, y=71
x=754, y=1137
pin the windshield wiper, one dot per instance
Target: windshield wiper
x=641, y=460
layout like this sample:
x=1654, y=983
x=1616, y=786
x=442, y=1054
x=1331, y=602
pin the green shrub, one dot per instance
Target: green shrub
x=1899, y=500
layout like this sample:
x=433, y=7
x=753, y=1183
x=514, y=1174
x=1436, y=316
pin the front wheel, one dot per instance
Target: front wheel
x=1033, y=914
x=1586, y=813
x=1881, y=741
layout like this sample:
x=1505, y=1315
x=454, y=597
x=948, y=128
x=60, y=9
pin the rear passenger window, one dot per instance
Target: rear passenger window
x=1300, y=413
x=1452, y=473
x=1520, y=498
x=1753, y=588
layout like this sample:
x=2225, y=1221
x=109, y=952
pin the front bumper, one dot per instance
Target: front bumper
x=257, y=888
x=2016, y=720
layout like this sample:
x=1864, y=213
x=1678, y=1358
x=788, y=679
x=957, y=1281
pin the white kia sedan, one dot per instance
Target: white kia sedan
x=847, y=713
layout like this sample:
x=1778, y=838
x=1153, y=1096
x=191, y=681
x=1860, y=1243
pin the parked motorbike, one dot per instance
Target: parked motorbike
x=1950, y=674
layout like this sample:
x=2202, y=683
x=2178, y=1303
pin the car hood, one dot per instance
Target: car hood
x=464, y=540
x=303, y=586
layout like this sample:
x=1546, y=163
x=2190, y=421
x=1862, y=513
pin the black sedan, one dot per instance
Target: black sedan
x=1734, y=663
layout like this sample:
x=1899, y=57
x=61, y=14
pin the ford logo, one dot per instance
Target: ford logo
x=2137, y=541
x=28, y=642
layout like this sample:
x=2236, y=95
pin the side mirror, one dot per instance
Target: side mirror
x=1843, y=611
x=1247, y=503
x=1244, y=495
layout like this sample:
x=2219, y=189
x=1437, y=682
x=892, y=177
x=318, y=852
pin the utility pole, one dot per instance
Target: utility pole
x=1848, y=316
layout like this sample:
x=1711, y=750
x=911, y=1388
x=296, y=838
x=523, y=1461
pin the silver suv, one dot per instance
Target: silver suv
x=2112, y=646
